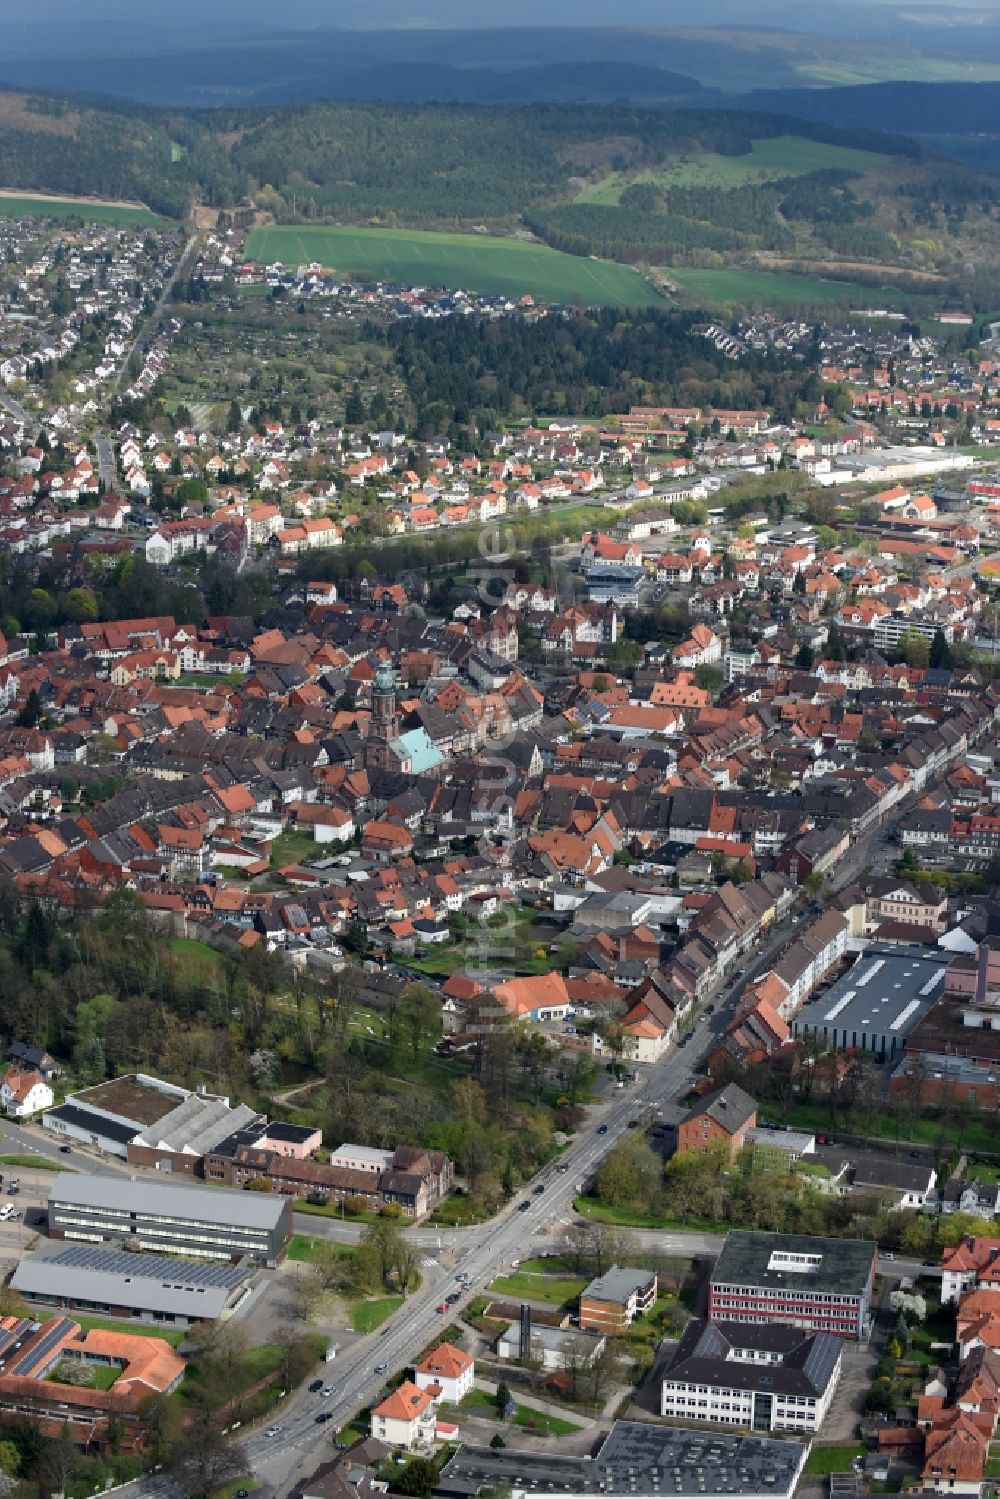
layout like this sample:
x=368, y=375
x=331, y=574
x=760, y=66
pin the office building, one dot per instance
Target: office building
x=769, y=1378
x=822, y=1285
x=201, y=1223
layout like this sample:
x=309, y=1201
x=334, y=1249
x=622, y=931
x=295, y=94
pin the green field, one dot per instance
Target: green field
x=505, y=267
x=781, y=156
x=14, y=207
x=736, y=287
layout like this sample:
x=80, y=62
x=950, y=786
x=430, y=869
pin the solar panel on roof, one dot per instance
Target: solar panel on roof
x=49, y=1339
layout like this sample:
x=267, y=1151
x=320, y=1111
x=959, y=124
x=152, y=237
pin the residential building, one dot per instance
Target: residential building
x=612, y=1301
x=720, y=1120
x=447, y=1373
x=406, y=1418
x=23, y=1092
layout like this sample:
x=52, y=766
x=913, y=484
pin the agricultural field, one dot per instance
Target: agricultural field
x=484, y=263
x=780, y=156
x=18, y=206
x=736, y=287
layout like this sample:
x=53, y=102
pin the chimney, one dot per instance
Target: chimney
x=982, y=970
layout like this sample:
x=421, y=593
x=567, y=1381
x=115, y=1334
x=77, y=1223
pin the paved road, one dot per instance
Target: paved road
x=153, y=321
x=107, y=466
x=17, y=411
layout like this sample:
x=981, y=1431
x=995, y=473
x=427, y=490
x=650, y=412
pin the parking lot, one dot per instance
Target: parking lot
x=17, y=1234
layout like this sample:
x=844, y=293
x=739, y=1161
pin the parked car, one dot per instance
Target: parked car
x=453, y=1297
x=442, y=1306
x=381, y=1368
x=602, y=1129
x=523, y=1207
x=315, y=1387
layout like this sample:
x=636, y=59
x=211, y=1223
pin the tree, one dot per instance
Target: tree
x=502, y=1398
x=31, y=712
x=914, y=648
x=709, y=678
x=940, y=653
x=805, y=656
x=420, y=1013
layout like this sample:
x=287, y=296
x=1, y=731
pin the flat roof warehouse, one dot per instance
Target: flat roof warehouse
x=876, y=1005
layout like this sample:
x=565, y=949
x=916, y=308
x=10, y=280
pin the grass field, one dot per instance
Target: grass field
x=368, y=1315
x=544, y=1288
x=507, y=267
x=782, y=156
x=38, y=1162
x=777, y=289
x=825, y=1460
x=13, y=206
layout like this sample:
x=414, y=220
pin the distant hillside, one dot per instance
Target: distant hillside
x=654, y=187
x=963, y=119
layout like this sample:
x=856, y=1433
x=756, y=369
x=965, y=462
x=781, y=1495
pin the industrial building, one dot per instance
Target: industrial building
x=152, y=1123
x=108, y=1282
x=824, y=1285
x=876, y=1005
x=201, y=1222
x=638, y=1459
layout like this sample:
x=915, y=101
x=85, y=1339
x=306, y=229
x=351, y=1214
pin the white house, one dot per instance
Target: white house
x=24, y=1092
x=446, y=1373
x=406, y=1418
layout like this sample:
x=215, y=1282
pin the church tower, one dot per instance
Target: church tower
x=384, y=725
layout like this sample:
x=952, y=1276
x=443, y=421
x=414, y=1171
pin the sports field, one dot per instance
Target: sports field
x=739, y=288
x=18, y=206
x=780, y=156
x=474, y=262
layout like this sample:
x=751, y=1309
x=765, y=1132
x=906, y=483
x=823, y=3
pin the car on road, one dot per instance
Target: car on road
x=315, y=1387
x=327, y=1391
x=324, y=1416
x=538, y=1190
x=65, y=1150
x=523, y=1207
x=442, y=1306
x=562, y=1167
x=453, y=1297
x=242, y=1494
x=272, y=1431
x=602, y=1129
x=381, y=1368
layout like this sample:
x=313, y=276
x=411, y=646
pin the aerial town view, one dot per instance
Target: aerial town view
x=499, y=750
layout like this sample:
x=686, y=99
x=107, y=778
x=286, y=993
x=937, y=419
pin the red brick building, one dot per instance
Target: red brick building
x=721, y=1118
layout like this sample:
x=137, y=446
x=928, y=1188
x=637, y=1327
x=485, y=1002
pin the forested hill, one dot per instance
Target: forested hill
x=425, y=164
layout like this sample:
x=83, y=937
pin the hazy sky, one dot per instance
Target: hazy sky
x=431, y=12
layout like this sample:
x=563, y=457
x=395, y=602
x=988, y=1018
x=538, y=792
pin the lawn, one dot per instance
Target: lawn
x=39, y=1162
x=553, y=1290
x=197, y=956
x=977, y=1135
x=368, y=1315
x=303, y=1248
x=602, y=1212
x=13, y=206
x=291, y=847
x=724, y=288
x=484, y=263
x=479, y=1403
x=823, y=1460
x=779, y=156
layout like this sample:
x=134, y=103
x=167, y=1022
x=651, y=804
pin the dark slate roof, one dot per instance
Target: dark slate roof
x=799, y=1362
